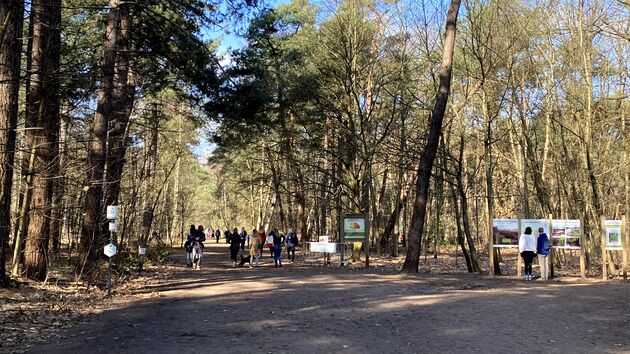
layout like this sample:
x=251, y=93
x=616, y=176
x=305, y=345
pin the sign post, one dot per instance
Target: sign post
x=110, y=249
x=550, y=271
x=355, y=229
x=624, y=237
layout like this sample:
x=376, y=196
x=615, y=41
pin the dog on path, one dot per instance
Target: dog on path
x=245, y=260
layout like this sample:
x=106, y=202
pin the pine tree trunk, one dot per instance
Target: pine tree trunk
x=59, y=188
x=11, y=19
x=453, y=180
x=91, y=240
x=149, y=208
x=463, y=199
x=412, y=260
x=42, y=123
x=123, y=95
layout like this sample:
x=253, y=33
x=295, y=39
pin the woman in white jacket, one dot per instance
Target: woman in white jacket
x=527, y=249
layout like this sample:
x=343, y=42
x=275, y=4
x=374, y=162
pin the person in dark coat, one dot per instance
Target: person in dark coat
x=235, y=246
x=188, y=245
x=292, y=242
x=242, y=236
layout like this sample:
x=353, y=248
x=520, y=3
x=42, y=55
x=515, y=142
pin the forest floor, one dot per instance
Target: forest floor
x=314, y=308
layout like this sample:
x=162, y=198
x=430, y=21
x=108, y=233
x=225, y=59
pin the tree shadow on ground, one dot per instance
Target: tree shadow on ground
x=321, y=310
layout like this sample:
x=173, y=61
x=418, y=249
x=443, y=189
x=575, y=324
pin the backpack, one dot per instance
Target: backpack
x=547, y=244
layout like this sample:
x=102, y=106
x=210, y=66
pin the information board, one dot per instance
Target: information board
x=566, y=234
x=613, y=235
x=505, y=232
x=354, y=228
x=535, y=224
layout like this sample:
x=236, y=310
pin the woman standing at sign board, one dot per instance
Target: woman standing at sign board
x=527, y=249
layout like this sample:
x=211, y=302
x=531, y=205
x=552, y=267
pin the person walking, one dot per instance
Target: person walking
x=278, y=240
x=227, y=235
x=198, y=238
x=292, y=242
x=543, y=246
x=527, y=249
x=254, y=249
x=263, y=240
x=188, y=247
x=243, y=236
x=217, y=234
x=235, y=246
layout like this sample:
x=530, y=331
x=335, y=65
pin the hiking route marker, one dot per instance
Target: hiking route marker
x=110, y=248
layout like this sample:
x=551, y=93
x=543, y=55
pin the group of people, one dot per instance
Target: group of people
x=194, y=246
x=530, y=246
x=239, y=241
x=256, y=243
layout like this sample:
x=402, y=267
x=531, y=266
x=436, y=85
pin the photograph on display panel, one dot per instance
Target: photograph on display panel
x=505, y=232
x=566, y=234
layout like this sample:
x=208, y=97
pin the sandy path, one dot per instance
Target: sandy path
x=317, y=309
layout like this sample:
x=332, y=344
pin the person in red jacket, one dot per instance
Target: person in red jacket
x=263, y=241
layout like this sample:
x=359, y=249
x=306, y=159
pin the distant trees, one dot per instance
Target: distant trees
x=516, y=137
x=91, y=67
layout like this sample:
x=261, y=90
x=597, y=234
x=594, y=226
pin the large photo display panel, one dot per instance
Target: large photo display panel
x=505, y=232
x=566, y=234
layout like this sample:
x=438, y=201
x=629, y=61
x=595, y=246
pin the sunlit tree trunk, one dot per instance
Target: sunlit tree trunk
x=425, y=165
x=123, y=94
x=93, y=216
x=42, y=119
x=151, y=170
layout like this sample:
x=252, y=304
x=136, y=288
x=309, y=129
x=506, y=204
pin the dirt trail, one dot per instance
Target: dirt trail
x=316, y=309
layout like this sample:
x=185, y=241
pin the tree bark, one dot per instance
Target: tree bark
x=42, y=123
x=463, y=199
x=149, y=208
x=11, y=19
x=123, y=94
x=93, y=218
x=412, y=260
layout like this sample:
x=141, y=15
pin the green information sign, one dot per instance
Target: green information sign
x=354, y=228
